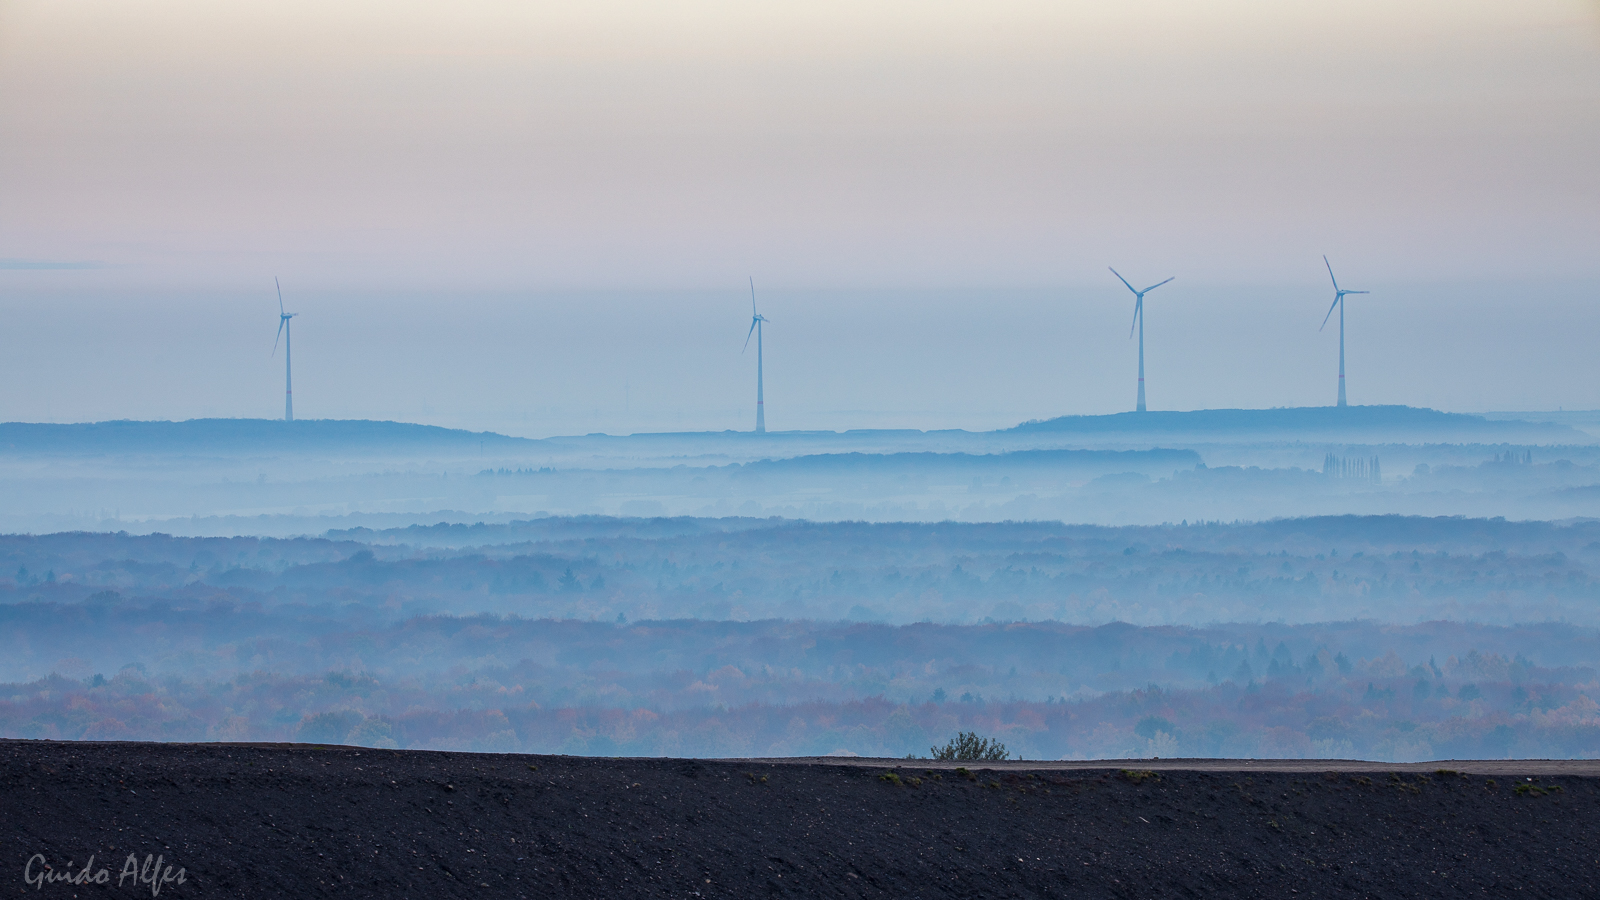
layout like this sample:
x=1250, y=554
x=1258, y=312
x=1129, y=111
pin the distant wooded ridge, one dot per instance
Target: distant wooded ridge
x=215, y=435
x=1298, y=420
x=842, y=462
x=868, y=463
x=220, y=435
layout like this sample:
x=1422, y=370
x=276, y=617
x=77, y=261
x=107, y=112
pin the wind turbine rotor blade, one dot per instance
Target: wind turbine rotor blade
x=1138, y=307
x=1358, y=292
x=280, y=294
x=1154, y=286
x=1330, y=272
x=747, y=336
x=281, y=320
x=1123, y=280
x=752, y=295
x=1330, y=314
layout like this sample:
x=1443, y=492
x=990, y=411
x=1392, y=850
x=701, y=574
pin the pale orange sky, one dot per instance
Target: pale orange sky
x=842, y=144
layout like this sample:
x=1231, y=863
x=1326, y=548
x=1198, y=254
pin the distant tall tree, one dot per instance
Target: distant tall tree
x=570, y=582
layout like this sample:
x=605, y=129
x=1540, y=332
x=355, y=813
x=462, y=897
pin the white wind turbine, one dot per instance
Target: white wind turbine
x=1138, y=322
x=284, y=333
x=755, y=328
x=1338, y=300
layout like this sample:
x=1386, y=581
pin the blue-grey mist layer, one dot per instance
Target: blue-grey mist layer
x=1379, y=582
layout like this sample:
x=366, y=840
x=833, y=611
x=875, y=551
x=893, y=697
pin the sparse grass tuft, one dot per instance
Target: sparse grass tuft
x=962, y=771
x=1139, y=776
x=1396, y=781
x=890, y=778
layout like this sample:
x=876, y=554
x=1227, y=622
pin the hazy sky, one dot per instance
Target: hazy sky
x=538, y=217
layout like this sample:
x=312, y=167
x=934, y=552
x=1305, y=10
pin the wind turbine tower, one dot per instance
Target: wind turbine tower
x=1338, y=300
x=1138, y=322
x=755, y=328
x=283, y=332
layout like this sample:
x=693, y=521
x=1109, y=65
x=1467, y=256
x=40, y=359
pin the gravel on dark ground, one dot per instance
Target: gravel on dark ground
x=304, y=821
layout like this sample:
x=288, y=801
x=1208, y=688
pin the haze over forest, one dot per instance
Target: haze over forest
x=1333, y=582
x=541, y=265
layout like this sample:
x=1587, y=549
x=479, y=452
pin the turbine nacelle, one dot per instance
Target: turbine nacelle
x=755, y=317
x=1138, y=295
x=1338, y=294
x=283, y=317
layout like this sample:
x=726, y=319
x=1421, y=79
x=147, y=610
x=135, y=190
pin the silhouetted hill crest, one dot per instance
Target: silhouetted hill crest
x=1300, y=421
x=234, y=435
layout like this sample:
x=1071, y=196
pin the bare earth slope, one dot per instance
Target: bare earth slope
x=300, y=821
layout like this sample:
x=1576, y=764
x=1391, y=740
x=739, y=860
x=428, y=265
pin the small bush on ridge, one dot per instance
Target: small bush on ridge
x=968, y=746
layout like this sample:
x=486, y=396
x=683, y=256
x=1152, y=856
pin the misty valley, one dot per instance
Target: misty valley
x=1380, y=637
x=226, y=477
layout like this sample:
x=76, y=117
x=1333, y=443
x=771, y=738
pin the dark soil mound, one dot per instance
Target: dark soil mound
x=251, y=821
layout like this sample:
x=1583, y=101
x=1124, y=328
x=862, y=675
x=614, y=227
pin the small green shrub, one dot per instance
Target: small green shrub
x=969, y=746
x=962, y=771
x=890, y=778
x=1138, y=776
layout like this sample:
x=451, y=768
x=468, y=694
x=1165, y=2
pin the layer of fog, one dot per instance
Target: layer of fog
x=1315, y=637
x=1113, y=479
x=208, y=597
